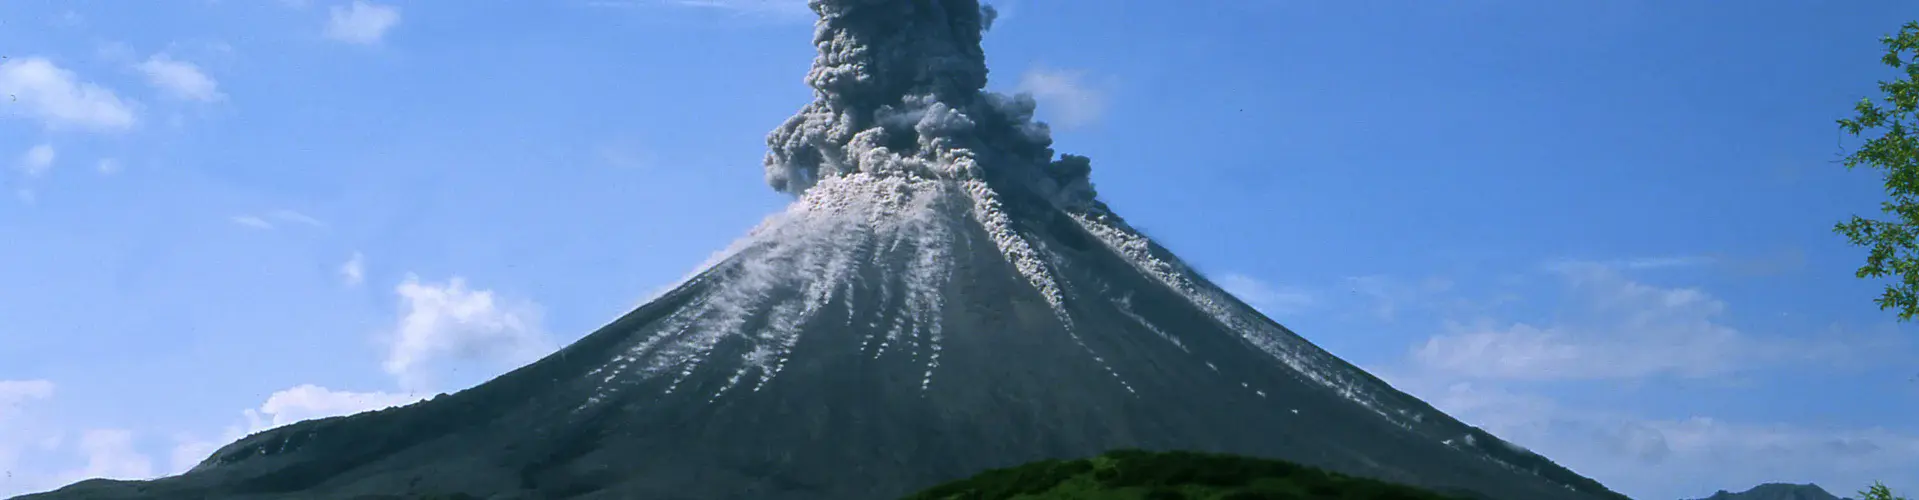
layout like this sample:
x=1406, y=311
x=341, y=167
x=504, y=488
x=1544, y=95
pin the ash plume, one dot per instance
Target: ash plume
x=899, y=91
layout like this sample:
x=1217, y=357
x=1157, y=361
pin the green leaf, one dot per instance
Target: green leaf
x=1889, y=127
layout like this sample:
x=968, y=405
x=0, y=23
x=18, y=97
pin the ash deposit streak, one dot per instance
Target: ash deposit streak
x=899, y=144
x=899, y=92
x=900, y=117
x=792, y=268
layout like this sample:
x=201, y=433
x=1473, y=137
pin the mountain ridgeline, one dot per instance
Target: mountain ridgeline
x=1777, y=491
x=945, y=295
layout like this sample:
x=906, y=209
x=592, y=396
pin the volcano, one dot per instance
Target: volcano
x=944, y=295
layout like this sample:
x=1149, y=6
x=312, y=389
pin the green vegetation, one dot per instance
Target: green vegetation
x=1878, y=491
x=1895, y=151
x=1142, y=475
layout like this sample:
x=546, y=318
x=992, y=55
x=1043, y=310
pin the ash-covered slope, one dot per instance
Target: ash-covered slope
x=943, y=297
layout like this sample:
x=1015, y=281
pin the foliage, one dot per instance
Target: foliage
x=1878, y=491
x=1895, y=150
x=1142, y=475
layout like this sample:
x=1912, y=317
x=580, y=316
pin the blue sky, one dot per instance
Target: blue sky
x=1599, y=229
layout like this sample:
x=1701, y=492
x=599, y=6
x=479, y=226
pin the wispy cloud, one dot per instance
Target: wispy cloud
x=252, y=221
x=1687, y=457
x=1664, y=262
x=785, y=9
x=1760, y=264
x=1274, y=300
x=275, y=219
x=188, y=451
x=1387, y=298
x=307, y=402
x=1628, y=329
x=627, y=156
x=37, y=160
x=179, y=79
x=361, y=23
x=295, y=217
x=15, y=393
x=19, y=400
x=69, y=19
x=1633, y=263
x=110, y=453
x=1773, y=263
x=1527, y=382
x=353, y=272
x=106, y=453
x=1064, y=96
x=58, y=99
x=287, y=406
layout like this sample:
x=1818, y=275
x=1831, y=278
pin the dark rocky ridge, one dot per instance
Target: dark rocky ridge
x=1777, y=491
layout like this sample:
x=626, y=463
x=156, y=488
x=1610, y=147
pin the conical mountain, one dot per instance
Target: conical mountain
x=943, y=296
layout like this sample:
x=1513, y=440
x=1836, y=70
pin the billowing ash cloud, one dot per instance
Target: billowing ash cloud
x=898, y=91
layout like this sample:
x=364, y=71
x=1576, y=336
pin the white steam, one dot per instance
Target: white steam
x=898, y=92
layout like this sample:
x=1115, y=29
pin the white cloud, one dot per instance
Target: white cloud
x=1269, y=299
x=794, y=9
x=449, y=320
x=37, y=160
x=272, y=219
x=295, y=217
x=1637, y=263
x=627, y=156
x=252, y=221
x=1631, y=330
x=1665, y=262
x=115, y=51
x=438, y=321
x=1674, y=458
x=361, y=23
x=108, y=166
x=353, y=272
x=110, y=454
x=288, y=406
x=778, y=7
x=19, y=434
x=42, y=90
x=1064, y=96
x=1771, y=263
x=16, y=393
x=1391, y=297
x=179, y=79
x=70, y=19
x=308, y=402
x=1530, y=383
x=188, y=452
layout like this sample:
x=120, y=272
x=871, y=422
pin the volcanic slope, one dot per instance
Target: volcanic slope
x=943, y=297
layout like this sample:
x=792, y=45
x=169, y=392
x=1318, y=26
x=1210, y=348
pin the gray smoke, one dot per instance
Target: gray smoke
x=899, y=90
